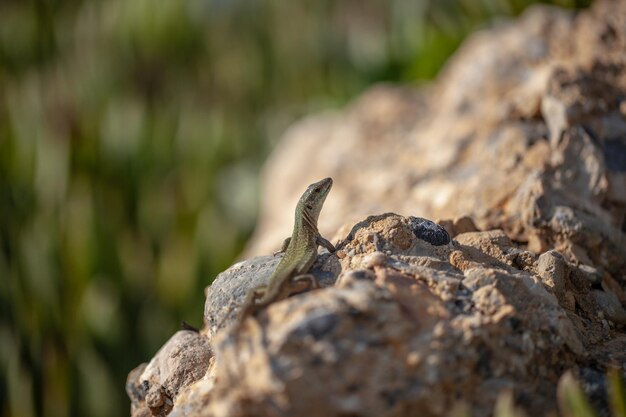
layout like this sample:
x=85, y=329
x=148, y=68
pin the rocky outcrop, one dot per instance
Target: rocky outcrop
x=408, y=329
x=524, y=130
x=519, y=149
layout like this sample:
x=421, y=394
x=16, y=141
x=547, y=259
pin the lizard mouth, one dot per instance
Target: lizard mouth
x=324, y=185
x=316, y=193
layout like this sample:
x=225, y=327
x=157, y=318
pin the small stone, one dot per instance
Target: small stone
x=591, y=274
x=553, y=270
x=611, y=306
x=614, y=151
x=375, y=259
x=429, y=231
x=413, y=359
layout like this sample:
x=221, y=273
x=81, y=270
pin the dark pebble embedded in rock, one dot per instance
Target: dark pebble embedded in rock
x=429, y=231
x=615, y=154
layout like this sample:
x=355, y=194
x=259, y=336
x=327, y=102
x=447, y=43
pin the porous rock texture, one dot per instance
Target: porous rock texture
x=519, y=151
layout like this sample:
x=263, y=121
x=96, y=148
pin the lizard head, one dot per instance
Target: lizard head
x=313, y=198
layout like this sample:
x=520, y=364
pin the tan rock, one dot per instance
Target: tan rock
x=180, y=362
x=399, y=325
x=550, y=139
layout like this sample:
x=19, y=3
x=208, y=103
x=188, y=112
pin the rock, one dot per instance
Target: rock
x=554, y=271
x=136, y=392
x=392, y=341
x=546, y=163
x=610, y=306
x=320, y=382
x=459, y=225
x=228, y=291
x=195, y=397
x=591, y=274
x=180, y=362
x=429, y=231
x=521, y=154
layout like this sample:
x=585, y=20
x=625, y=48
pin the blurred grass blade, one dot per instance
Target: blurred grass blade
x=571, y=398
x=617, y=395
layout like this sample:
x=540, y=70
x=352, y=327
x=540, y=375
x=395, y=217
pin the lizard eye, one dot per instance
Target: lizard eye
x=317, y=190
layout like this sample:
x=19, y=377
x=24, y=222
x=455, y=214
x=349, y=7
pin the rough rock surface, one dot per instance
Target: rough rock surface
x=229, y=289
x=522, y=155
x=183, y=360
x=524, y=130
x=408, y=329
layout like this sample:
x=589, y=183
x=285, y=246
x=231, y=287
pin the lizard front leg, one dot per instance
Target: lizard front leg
x=325, y=243
x=284, y=246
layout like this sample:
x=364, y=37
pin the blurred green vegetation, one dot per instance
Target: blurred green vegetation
x=131, y=137
x=571, y=399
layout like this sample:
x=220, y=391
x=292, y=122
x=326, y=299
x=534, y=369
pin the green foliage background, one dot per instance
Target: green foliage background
x=131, y=137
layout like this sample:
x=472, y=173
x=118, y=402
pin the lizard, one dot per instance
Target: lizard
x=300, y=251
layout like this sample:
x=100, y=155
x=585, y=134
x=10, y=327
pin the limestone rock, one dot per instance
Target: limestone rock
x=403, y=332
x=181, y=361
x=530, y=141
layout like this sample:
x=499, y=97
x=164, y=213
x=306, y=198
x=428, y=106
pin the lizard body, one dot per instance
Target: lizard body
x=300, y=251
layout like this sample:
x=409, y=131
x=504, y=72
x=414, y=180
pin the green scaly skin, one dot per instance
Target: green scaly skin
x=300, y=252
